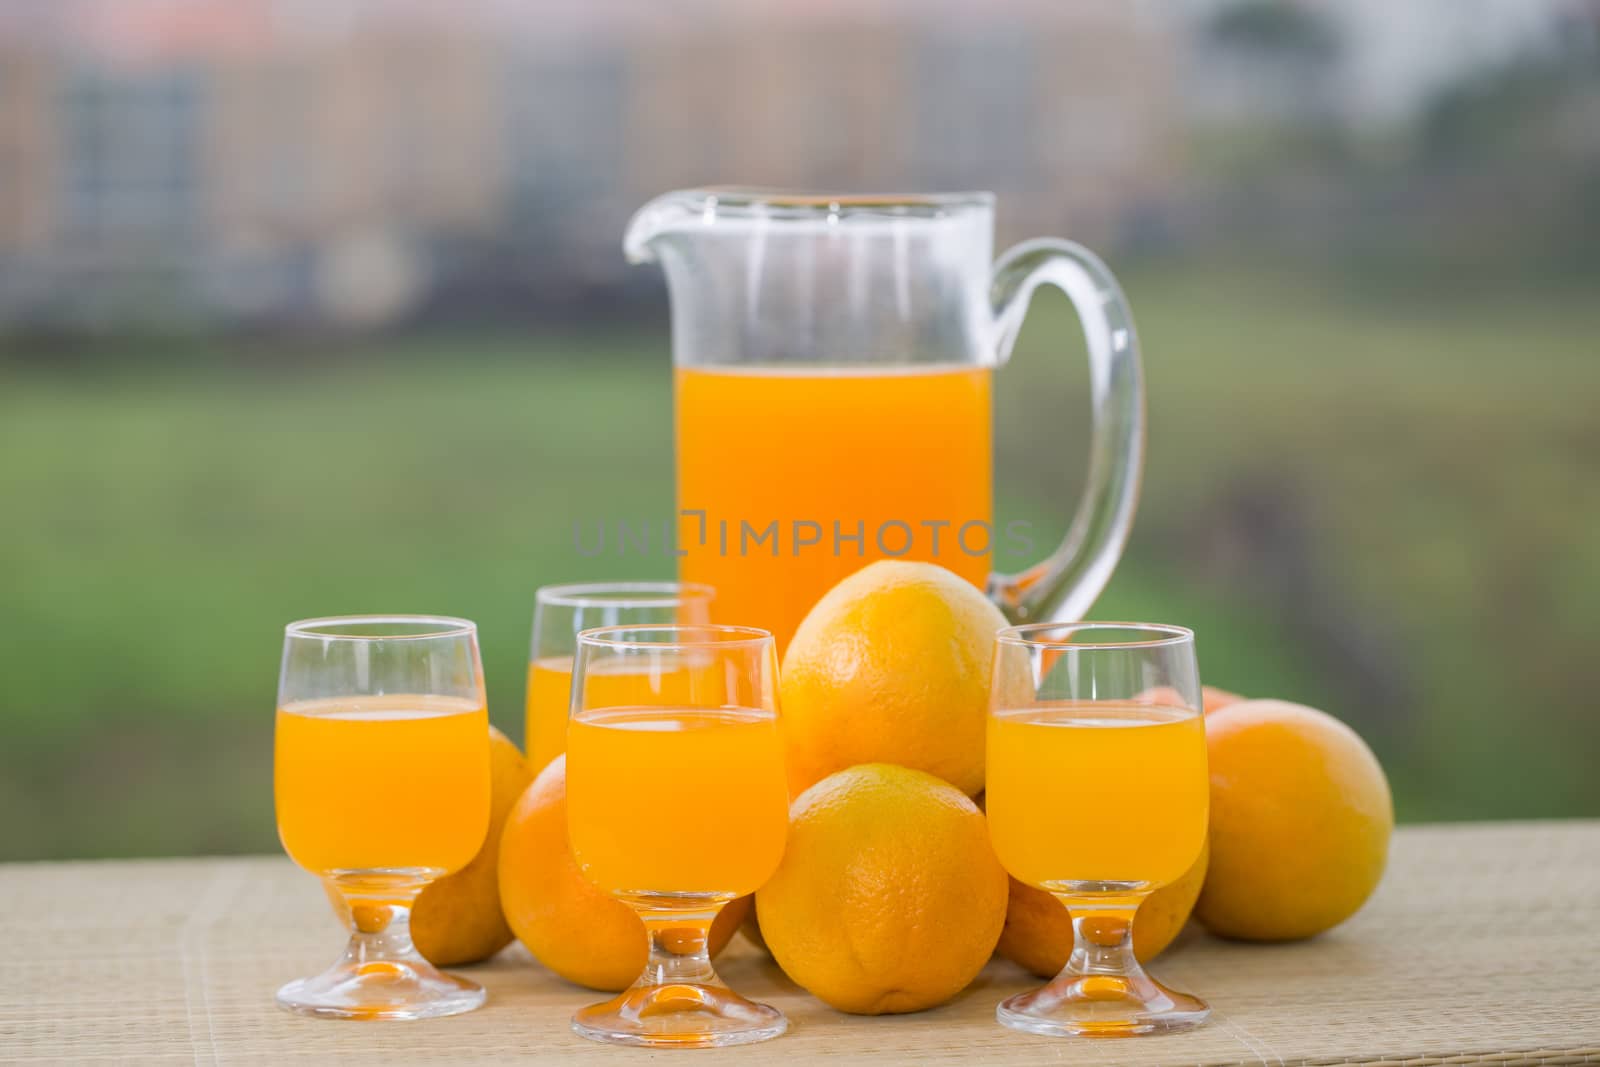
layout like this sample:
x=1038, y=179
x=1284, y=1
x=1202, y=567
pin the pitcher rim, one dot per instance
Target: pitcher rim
x=704, y=207
x=746, y=201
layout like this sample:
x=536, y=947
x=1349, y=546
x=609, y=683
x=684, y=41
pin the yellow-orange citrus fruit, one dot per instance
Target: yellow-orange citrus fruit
x=751, y=929
x=457, y=919
x=1215, y=699
x=580, y=933
x=1038, y=931
x=1300, y=822
x=889, y=897
x=891, y=665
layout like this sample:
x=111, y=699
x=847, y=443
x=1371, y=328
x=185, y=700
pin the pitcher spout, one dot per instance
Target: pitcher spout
x=669, y=213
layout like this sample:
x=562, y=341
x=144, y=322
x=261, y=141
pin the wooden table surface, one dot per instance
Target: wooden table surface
x=1481, y=946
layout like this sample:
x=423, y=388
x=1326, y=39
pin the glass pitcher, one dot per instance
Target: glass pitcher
x=833, y=362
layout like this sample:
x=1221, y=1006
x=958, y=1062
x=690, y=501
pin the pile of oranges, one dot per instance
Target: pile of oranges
x=889, y=897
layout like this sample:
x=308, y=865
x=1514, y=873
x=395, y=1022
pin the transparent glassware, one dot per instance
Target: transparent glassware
x=381, y=784
x=677, y=803
x=1097, y=793
x=847, y=343
x=559, y=613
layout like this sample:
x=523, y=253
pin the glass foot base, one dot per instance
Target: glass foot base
x=679, y=1016
x=381, y=989
x=1102, y=1006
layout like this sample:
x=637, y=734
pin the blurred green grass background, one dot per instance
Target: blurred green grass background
x=1383, y=508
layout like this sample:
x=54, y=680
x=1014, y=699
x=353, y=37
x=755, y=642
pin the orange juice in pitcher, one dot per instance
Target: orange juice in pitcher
x=916, y=444
x=834, y=358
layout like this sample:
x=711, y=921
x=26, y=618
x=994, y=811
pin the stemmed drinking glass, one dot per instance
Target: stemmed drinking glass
x=1097, y=793
x=381, y=778
x=677, y=803
x=559, y=612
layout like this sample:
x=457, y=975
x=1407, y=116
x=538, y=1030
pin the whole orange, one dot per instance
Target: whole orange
x=891, y=665
x=580, y=933
x=1038, y=931
x=1214, y=699
x=751, y=929
x=1301, y=817
x=889, y=897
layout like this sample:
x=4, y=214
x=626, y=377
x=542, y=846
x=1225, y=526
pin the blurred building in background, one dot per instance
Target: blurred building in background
x=258, y=160
x=178, y=162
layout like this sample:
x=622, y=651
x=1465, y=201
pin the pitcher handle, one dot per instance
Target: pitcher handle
x=1065, y=583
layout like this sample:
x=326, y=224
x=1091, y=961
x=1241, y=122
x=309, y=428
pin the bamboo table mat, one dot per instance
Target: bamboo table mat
x=1481, y=946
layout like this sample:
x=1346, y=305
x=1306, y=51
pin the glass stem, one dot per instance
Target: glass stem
x=1102, y=929
x=680, y=950
x=380, y=918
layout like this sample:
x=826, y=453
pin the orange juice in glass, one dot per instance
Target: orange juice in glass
x=728, y=792
x=1061, y=763
x=405, y=773
x=381, y=784
x=560, y=611
x=676, y=806
x=834, y=360
x=1097, y=792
